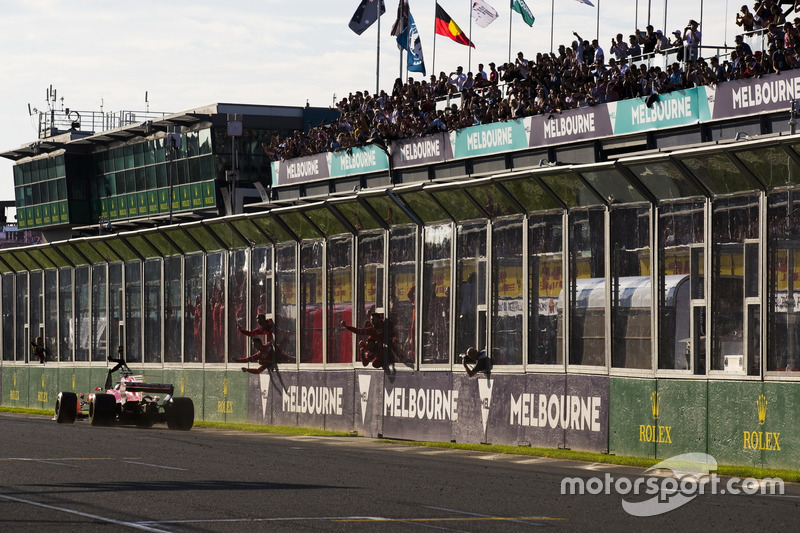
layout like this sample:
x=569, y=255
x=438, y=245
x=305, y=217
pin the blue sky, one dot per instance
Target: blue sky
x=191, y=54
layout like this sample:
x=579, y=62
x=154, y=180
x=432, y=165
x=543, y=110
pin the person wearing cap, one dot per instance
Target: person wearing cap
x=662, y=43
x=493, y=75
x=677, y=44
x=692, y=38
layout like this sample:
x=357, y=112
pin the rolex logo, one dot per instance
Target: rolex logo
x=762, y=402
x=655, y=402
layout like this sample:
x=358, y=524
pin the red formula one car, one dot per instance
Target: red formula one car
x=131, y=401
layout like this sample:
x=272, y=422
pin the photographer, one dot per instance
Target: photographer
x=745, y=19
x=619, y=47
x=691, y=38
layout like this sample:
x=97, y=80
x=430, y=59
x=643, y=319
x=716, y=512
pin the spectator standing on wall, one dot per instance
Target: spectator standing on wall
x=121, y=364
x=264, y=356
x=39, y=350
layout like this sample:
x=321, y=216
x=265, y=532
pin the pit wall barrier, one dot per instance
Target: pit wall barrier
x=744, y=423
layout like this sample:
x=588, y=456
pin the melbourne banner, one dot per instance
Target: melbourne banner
x=679, y=108
x=745, y=97
x=301, y=170
x=359, y=160
x=488, y=139
x=428, y=150
x=571, y=125
x=354, y=161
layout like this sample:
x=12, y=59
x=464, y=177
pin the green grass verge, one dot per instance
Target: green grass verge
x=278, y=430
x=791, y=476
x=26, y=411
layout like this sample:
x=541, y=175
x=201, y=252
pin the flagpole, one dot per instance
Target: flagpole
x=597, y=32
x=433, y=63
x=552, y=14
x=469, y=55
x=509, y=31
x=378, y=60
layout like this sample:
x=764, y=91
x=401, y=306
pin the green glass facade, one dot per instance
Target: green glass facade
x=135, y=180
x=40, y=189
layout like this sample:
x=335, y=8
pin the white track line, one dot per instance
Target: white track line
x=85, y=515
x=155, y=466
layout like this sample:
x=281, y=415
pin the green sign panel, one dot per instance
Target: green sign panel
x=678, y=108
x=490, y=139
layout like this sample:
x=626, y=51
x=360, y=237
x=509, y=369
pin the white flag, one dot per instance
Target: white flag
x=483, y=13
x=587, y=2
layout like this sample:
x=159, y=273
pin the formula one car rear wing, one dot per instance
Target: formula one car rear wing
x=137, y=386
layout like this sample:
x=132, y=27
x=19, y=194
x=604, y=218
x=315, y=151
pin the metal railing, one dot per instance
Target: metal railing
x=54, y=122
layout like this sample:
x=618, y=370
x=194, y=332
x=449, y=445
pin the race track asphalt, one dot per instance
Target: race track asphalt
x=80, y=478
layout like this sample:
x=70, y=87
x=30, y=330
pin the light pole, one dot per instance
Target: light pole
x=232, y=176
x=173, y=143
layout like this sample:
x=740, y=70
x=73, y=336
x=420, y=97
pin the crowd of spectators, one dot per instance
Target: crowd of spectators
x=575, y=76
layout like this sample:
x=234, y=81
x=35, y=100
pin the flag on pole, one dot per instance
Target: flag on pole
x=587, y=2
x=446, y=26
x=483, y=13
x=366, y=14
x=522, y=8
x=409, y=39
x=401, y=23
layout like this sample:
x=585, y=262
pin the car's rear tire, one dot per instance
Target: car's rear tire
x=180, y=414
x=66, y=407
x=101, y=409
